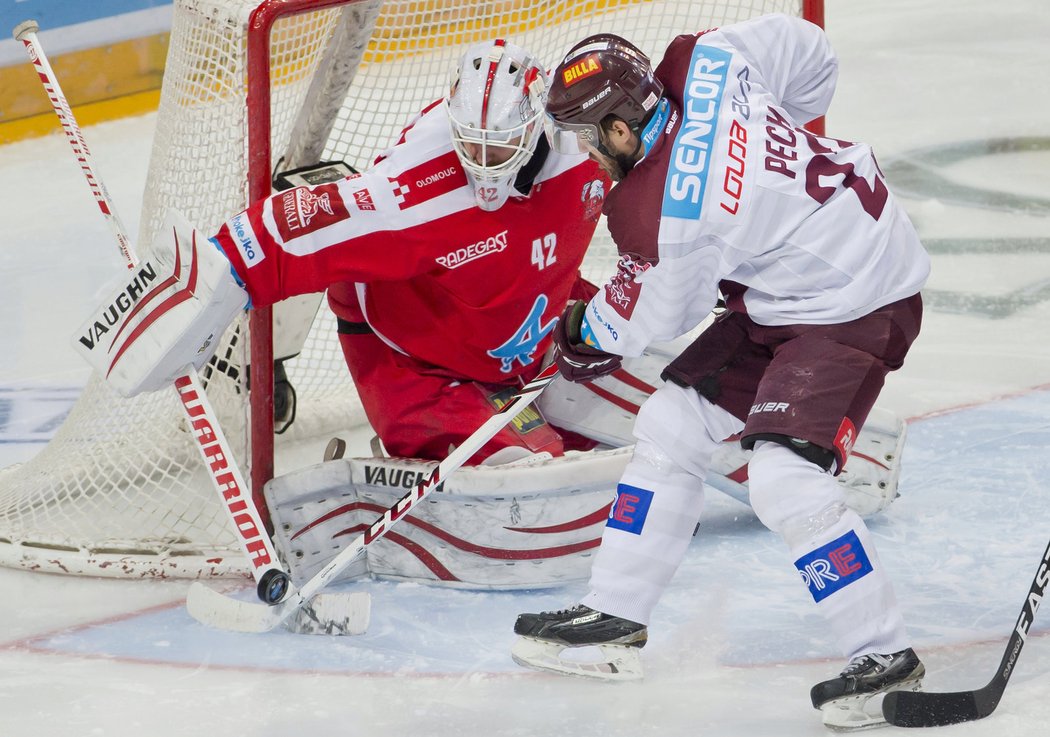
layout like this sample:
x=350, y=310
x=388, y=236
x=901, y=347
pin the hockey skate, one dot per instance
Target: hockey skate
x=595, y=645
x=844, y=700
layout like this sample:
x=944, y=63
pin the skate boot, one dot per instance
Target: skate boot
x=844, y=700
x=580, y=641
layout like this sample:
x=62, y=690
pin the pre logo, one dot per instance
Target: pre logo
x=834, y=566
x=629, y=510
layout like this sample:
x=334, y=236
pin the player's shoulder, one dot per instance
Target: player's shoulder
x=425, y=137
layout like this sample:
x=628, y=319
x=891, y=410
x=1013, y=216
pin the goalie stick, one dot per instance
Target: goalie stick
x=926, y=709
x=212, y=608
x=272, y=582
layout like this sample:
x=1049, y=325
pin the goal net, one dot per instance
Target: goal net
x=120, y=490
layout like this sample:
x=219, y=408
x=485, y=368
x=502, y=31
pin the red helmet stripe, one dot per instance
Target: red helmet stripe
x=488, y=85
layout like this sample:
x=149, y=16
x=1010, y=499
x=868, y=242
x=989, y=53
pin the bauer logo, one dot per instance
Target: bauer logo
x=834, y=566
x=247, y=243
x=630, y=508
x=690, y=157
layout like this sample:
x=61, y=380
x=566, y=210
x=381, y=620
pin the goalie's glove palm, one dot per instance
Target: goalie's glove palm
x=577, y=361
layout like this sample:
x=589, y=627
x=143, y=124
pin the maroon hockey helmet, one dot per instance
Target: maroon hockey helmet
x=601, y=75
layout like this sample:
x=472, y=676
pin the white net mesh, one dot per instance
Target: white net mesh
x=120, y=489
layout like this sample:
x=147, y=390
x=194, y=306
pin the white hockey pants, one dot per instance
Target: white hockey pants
x=660, y=500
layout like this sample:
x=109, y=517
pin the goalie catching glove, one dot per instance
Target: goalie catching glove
x=577, y=361
x=166, y=313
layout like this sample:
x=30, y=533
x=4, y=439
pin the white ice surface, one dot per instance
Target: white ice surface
x=735, y=644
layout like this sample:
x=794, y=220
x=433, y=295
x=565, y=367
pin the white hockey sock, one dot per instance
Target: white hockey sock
x=832, y=549
x=650, y=525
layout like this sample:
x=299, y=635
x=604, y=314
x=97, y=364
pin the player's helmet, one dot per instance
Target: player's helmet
x=601, y=75
x=495, y=107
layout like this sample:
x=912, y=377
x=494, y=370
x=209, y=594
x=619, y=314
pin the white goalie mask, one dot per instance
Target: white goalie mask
x=495, y=110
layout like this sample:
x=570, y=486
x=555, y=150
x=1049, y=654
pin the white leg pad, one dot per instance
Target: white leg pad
x=532, y=523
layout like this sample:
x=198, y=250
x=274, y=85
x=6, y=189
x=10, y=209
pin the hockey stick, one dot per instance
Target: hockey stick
x=272, y=582
x=924, y=709
x=212, y=608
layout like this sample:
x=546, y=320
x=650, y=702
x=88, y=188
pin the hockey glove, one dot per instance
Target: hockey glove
x=576, y=360
x=165, y=315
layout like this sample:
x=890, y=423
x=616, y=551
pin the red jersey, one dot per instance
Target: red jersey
x=472, y=292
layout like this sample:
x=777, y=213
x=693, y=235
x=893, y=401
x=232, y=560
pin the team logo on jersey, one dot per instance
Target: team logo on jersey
x=592, y=197
x=623, y=290
x=526, y=338
x=466, y=254
x=630, y=508
x=690, y=156
x=428, y=180
x=304, y=210
x=585, y=67
x=363, y=200
x=834, y=566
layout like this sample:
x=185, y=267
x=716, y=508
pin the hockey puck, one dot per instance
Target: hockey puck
x=273, y=586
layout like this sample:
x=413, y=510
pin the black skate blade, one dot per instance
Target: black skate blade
x=925, y=709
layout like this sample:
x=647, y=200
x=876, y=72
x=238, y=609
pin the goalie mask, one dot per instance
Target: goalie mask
x=495, y=106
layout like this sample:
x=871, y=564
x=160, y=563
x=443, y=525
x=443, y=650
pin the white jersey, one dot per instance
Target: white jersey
x=733, y=194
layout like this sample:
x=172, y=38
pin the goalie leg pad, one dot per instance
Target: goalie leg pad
x=536, y=522
x=166, y=315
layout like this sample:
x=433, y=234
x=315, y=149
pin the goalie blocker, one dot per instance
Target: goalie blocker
x=165, y=314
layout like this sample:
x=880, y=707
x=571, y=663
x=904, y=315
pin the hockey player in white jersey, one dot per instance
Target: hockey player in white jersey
x=720, y=189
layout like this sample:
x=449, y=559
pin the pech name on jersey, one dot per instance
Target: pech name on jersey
x=466, y=254
x=690, y=156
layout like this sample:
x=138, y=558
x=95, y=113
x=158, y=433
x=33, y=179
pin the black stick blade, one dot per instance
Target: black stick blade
x=922, y=709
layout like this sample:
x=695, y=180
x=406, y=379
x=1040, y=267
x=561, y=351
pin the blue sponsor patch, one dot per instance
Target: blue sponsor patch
x=691, y=156
x=834, y=566
x=629, y=510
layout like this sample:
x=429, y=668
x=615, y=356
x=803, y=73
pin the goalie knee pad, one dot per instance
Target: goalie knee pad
x=166, y=314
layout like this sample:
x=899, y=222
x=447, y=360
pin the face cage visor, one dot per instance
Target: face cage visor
x=517, y=143
x=571, y=138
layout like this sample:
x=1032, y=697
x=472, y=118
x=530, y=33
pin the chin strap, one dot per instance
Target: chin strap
x=527, y=174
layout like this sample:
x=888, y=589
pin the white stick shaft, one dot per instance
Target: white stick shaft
x=26, y=33
x=455, y=459
x=214, y=449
